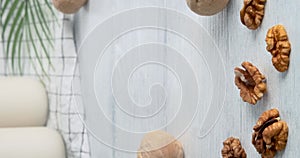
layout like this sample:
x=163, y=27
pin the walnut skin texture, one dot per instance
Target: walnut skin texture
x=233, y=149
x=251, y=82
x=207, y=7
x=159, y=144
x=68, y=6
x=270, y=134
x=252, y=13
x=279, y=46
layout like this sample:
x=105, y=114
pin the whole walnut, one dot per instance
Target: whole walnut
x=68, y=6
x=279, y=46
x=252, y=13
x=159, y=144
x=270, y=134
x=207, y=7
x=233, y=149
x=251, y=82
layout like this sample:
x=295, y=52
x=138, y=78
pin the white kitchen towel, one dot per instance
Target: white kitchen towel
x=63, y=114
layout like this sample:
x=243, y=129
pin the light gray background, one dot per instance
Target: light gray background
x=237, y=44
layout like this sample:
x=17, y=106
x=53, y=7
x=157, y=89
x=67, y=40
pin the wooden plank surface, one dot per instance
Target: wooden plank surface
x=236, y=44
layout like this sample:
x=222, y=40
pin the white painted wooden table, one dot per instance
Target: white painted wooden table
x=236, y=44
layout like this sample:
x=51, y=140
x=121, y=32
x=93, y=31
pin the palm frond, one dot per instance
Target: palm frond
x=27, y=21
x=10, y=14
x=14, y=32
x=37, y=32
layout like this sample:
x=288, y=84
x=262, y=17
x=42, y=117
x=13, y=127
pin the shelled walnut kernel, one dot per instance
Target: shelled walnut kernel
x=270, y=134
x=233, y=149
x=251, y=82
x=68, y=6
x=159, y=144
x=279, y=46
x=252, y=13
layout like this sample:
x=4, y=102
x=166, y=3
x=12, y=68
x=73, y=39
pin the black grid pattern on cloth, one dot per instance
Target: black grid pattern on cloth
x=63, y=115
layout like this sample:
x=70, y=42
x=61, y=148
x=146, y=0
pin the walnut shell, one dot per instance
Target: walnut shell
x=68, y=6
x=270, y=134
x=252, y=13
x=251, y=82
x=207, y=7
x=233, y=149
x=279, y=46
x=160, y=144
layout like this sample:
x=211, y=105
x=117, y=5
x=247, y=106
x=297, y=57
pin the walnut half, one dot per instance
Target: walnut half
x=279, y=46
x=252, y=13
x=159, y=144
x=233, y=149
x=251, y=82
x=270, y=134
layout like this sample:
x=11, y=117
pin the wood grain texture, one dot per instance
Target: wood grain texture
x=237, y=44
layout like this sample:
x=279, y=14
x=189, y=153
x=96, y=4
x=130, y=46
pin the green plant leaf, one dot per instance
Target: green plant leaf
x=16, y=32
x=27, y=21
x=32, y=43
x=43, y=21
x=16, y=42
x=41, y=17
x=49, y=7
x=4, y=7
x=34, y=23
x=28, y=48
x=31, y=60
x=10, y=14
x=19, y=53
x=34, y=48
